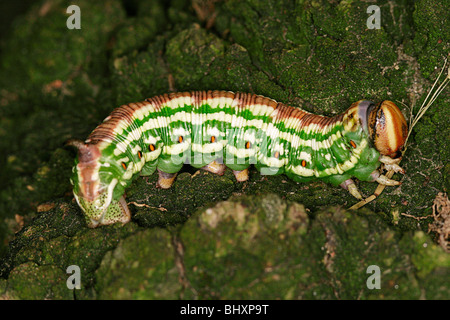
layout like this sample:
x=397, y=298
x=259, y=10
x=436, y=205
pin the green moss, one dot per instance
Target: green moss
x=190, y=53
x=239, y=251
x=254, y=247
x=30, y=281
x=426, y=256
x=190, y=191
x=140, y=75
x=137, y=270
x=317, y=55
x=50, y=51
x=260, y=247
x=432, y=39
x=137, y=32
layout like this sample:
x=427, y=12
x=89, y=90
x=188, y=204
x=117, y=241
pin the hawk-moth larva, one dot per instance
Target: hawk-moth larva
x=218, y=129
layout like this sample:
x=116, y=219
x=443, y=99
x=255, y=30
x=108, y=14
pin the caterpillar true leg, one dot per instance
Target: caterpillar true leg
x=378, y=177
x=392, y=164
x=382, y=179
x=350, y=185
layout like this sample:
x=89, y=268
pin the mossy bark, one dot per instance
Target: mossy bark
x=210, y=236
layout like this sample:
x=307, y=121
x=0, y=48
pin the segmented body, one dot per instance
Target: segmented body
x=214, y=130
x=167, y=131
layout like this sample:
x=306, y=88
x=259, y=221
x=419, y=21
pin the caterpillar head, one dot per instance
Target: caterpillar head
x=385, y=125
x=95, y=196
x=387, y=129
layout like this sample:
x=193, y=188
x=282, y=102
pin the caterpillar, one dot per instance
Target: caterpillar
x=214, y=130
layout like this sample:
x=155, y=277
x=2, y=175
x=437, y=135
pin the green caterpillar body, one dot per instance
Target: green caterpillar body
x=218, y=129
